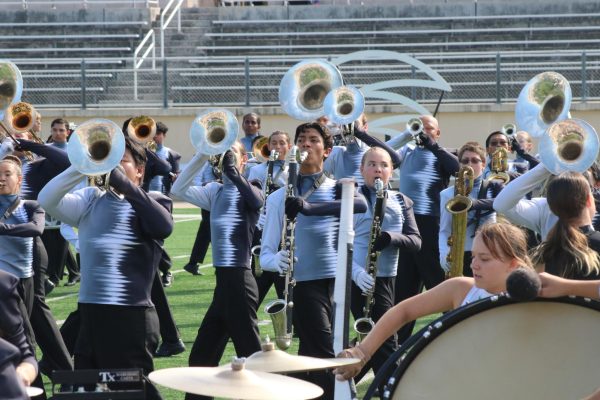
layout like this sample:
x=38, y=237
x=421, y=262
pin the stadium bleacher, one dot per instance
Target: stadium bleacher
x=236, y=55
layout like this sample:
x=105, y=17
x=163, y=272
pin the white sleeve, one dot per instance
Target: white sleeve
x=62, y=205
x=182, y=187
x=511, y=201
x=271, y=236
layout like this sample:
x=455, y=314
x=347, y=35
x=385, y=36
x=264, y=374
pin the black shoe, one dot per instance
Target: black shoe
x=168, y=349
x=49, y=286
x=167, y=279
x=193, y=268
x=73, y=280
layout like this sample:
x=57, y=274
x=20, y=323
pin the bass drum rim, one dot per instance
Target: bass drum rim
x=404, y=357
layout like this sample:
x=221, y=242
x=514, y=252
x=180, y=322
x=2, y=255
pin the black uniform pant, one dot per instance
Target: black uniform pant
x=420, y=268
x=384, y=300
x=118, y=337
x=168, y=329
x=57, y=248
x=232, y=313
x=202, y=239
x=313, y=319
x=42, y=321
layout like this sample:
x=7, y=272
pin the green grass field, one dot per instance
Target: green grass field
x=189, y=298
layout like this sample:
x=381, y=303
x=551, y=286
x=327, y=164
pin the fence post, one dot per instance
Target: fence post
x=165, y=81
x=498, y=79
x=584, y=86
x=247, y=77
x=413, y=75
x=83, y=86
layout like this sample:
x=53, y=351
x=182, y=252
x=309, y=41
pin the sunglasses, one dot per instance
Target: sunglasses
x=470, y=160
x=498, y=143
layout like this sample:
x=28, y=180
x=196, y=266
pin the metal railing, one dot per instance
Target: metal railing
x=139, y=60
x=253, y=82
x=80, y=3
x=171, y=9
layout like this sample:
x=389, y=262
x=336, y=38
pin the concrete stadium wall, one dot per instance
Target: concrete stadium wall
x=459, y=124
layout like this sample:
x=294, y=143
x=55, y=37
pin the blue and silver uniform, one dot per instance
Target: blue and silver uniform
x=398, y=221
x=233, y=207
x=120, y=239
x=316, y=235
x=344, y=161
x=424, y=174
x=157, y=183
x=280, y=175
x=17, y=232
x=472, y=223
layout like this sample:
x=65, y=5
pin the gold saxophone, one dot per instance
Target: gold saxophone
x=499, y=166
x=458, y=207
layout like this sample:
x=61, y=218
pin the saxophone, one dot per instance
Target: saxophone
x=267, y=190
x=280, y=310
x=458, y=207
x=364, y=325
x=499, y=166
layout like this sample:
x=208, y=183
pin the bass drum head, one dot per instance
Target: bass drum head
x=533, y=350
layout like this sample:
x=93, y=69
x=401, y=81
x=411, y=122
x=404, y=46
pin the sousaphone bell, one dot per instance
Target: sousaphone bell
x=303, y=89
x=96, y=147
x=569, y=145
x=544, y=100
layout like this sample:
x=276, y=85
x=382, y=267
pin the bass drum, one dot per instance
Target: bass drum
x=499, y=349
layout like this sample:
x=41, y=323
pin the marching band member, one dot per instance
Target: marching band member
x=345, y=161
x=279, y=141
x=171, y=340
x=200, y=248
x=317, y=208
x=234, y=207
x=398, y=231
x=522, y=145
x=493, y=142
x=473, y=155
x=13, y=330
x=119, y=252
x=21, y=221
x=571, y=247
x=251, y=128
x=498, y=249
x=50, y=162
x=425, y=170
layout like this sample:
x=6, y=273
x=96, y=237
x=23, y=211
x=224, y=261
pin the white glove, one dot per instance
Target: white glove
x=261, y=221
x=283, y=261
x=6, y=148
x=364, y=281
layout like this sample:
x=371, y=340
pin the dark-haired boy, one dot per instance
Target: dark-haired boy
x=317, y=208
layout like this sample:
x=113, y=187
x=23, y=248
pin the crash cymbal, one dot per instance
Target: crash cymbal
x=271, y=360
x=235, y=382
x=33, y=391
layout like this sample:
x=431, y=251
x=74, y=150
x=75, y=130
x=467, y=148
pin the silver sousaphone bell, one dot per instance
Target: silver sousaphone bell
x=96, y=147
x=214, y=131
x=343, y=105
x=569, y=145
x=544, y=100
x=303, y=89
x=11, y=85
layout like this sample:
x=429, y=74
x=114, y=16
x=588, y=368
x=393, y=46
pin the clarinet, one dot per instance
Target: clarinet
x=281, y=310
x=364, y=325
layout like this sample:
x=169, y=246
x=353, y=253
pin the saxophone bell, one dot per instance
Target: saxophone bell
x=277, y=310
